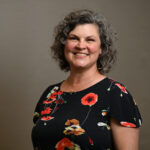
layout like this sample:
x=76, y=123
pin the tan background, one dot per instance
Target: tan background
x=26, y=68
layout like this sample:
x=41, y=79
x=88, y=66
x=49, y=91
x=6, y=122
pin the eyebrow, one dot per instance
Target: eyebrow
x=90, y=36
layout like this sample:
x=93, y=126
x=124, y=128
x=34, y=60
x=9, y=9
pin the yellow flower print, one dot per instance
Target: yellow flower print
x=73, y=127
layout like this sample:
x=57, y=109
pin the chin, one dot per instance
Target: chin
x=81, y=67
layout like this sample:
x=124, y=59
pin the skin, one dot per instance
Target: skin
x=82, y=49
x=83, y=46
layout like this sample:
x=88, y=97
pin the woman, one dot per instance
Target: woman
x=87, y=110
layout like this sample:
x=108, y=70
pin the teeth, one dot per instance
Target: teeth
x=80, y=54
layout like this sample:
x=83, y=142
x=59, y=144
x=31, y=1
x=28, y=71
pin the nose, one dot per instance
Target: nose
x=81, y=45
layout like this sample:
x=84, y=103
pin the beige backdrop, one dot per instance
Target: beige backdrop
x=26, y=68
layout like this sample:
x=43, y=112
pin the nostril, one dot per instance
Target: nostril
x=81, y=46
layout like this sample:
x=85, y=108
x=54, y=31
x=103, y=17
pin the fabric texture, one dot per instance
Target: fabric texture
x=81, y=120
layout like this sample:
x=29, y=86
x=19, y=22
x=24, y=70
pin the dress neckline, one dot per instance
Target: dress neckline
x=94, y=85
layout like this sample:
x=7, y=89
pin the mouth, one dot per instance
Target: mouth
x=80, y=54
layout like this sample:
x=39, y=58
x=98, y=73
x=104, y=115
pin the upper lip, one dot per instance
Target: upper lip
x=80, y=53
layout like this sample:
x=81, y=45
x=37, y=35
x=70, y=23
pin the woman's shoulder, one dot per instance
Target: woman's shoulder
x=48, y=90
x=117, y=86
x=123, y=106
x=119, y=93
x=54, y=85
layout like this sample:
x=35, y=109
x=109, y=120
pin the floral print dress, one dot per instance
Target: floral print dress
x=81, y=120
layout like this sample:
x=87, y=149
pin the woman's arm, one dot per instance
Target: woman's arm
x=125, y=138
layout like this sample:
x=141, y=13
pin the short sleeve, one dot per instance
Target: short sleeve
x=123, y=107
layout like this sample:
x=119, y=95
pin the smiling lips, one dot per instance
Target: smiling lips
x=81, y=54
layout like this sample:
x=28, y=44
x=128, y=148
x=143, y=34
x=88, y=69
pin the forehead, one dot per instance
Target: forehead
x=86, y=29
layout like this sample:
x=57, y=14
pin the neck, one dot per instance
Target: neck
x=82, y=77
x=79, y=80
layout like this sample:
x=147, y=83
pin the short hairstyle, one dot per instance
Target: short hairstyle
x=106, y=34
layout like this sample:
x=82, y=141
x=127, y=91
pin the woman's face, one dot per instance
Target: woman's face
x=83, y=46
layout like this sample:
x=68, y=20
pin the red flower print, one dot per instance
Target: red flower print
x=46, y=118
x=122, y=88
x=60, y=92
x=64, y=143
x=56, y=108
x=127, y=124
x=53, y=96
x=60, y=101
x=89, y=99
x=47, y=110
x=91, y=141
x=48, y=102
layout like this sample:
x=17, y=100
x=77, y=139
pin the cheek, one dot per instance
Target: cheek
x=94, y=49
x=69, y=46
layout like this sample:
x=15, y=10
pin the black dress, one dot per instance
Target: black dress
x=81, y=120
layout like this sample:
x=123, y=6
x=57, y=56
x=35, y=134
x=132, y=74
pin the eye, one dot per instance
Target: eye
x=91, y=40
x=72, y=38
